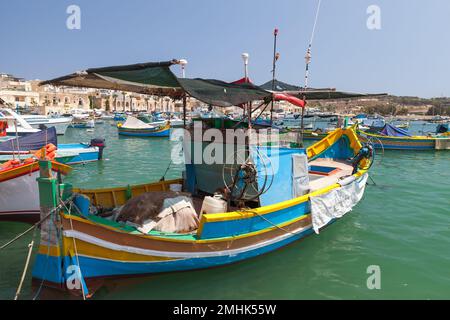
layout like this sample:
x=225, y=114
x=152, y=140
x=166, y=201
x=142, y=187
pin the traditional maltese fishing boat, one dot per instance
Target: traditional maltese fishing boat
x=391, y=137
x=218, y=213
x=137, y=128
x=322, y=186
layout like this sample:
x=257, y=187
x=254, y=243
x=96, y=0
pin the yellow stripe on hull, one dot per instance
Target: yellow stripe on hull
x=51, y=251
x=92, y=250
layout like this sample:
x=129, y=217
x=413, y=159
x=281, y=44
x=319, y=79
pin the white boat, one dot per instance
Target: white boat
x=37, y=121
x=176, y=122
x=16, y=123
x=19, y=194
x=80, y=114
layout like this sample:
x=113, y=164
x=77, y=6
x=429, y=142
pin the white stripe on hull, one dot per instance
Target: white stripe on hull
x=147, y=252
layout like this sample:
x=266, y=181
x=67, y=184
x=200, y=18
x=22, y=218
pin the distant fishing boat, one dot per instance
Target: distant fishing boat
x=72, y=153
x=81, y=152
x=161, y=119
x=293, y=121
x=314, y=135
x=120, y=116
x=373, y=123
x=391, y=137
x=83, y=123
x=137, y=128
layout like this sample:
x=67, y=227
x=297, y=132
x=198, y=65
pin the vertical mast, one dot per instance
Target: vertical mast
x=275, y=58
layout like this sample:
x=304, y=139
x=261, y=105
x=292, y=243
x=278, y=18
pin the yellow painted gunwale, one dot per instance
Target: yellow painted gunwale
x=32, y=167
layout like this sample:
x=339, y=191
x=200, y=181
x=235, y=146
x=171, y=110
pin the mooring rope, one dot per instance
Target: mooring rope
x=37, y=224
x=270, y=222
x=315, y=23
x=308, y=51
x=25, y=269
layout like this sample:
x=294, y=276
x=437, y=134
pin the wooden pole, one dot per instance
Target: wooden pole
x=184, y=111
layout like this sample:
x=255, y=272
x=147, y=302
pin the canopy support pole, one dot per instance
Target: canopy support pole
x=300, y=136
x=249, y=114
x=184, y=111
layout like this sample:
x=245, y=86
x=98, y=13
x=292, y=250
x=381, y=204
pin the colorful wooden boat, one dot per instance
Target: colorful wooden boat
x=404, y=141
x=137, y=128
x=100, y=248
x=79, y=246
x=82, y=123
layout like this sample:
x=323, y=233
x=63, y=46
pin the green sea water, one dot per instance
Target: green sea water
x=402, y=225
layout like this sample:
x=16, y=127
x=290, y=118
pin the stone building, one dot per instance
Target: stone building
x=17, y=93
x=61, y=100
x=113, y=101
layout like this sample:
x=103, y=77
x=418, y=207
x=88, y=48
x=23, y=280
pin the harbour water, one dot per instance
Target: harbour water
x=402, y=226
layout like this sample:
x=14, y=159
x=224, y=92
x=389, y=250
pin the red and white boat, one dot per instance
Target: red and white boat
x=19, y=194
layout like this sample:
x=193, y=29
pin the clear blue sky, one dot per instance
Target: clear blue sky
x=408, y=56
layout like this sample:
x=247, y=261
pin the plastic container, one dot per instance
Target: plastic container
x=175, y=187
x=213, y=205
x=83, y=203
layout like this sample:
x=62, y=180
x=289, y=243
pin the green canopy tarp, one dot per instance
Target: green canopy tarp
x=156, y=78
x=279, y=86
x=313, y=93
x=223, y=94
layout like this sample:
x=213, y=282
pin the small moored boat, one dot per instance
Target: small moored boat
x=394, y=138
x=67, y=153
x=137, y=128
x=19, y=194
x=38, y=122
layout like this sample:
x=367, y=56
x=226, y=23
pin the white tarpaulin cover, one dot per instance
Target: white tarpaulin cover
x=135, y=123
x=336, y=203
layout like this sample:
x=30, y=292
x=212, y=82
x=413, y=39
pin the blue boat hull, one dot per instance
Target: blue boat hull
x=85, y=152
x=144, y=133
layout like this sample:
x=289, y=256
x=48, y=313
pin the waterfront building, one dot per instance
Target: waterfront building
x=17, y=93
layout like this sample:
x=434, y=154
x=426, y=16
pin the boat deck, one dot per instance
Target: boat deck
x=328, y=172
